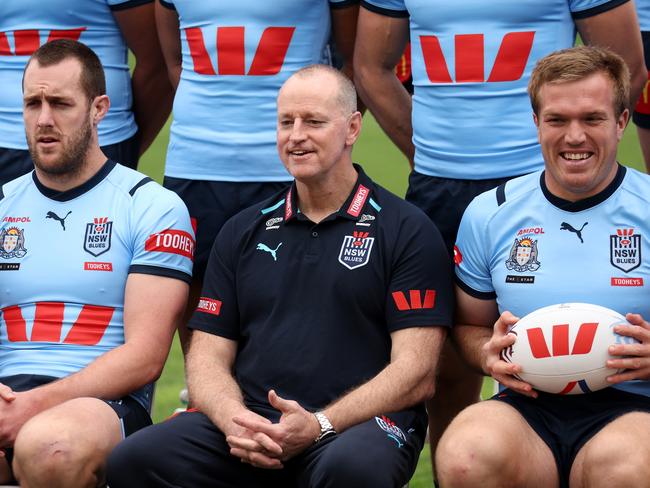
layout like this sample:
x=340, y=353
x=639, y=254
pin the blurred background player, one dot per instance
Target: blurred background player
x=96, y=261
x=140, y=104
x=470, y=127
x=227, y=62
x=522, y=437
x=641, y=115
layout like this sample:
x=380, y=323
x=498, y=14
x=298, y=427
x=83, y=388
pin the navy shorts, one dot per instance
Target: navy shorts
x=212, y=203
x=17, y=162
x=188, y=450
x=641, y=114
x=444, y=200
x=132, y=415
x=566, y=422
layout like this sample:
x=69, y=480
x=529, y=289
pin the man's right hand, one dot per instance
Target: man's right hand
x=491, y=362
x=255, y=448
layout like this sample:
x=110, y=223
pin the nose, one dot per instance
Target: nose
x=575, y=134
x=297, y=131
x=45, y=116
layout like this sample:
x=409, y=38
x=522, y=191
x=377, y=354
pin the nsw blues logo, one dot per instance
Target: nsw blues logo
x=97, y=240
x=392, y=430
x=625, y=250
x=355, y=250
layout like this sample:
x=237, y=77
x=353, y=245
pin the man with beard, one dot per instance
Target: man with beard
x=95, y=262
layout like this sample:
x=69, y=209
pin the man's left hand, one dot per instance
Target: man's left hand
x=296, y=430
x=14, y=414
x=637, y=365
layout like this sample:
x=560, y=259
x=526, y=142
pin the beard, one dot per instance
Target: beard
x=72, y=158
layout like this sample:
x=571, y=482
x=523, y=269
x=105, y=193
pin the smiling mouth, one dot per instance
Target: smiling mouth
x=572, y=156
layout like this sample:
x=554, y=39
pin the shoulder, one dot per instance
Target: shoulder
x=636, y=184
x=15, y=187
x=140, y=188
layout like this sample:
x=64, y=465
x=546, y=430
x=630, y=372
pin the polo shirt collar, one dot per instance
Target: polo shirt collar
x=351, y=209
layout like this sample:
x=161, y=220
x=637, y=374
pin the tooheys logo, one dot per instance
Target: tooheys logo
x=171, y=241
x=358, y=201
x=29, y=40
x=209, y=305
x=582, y=345
x=231, y=51
x=469, y=50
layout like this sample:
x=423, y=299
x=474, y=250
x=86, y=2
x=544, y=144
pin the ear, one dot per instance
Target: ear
x=622, y=122
x=354, y=128
x=99, y=107
x=536, y=122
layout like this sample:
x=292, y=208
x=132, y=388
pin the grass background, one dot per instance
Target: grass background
x=387, y=166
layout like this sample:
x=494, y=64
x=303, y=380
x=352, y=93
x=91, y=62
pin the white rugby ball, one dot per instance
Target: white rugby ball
x=563, y=348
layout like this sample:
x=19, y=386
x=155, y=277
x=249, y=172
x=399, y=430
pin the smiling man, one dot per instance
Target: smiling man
x=572, y=215
x=95, y=261
x=318, y=333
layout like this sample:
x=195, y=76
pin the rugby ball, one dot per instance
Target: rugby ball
x=563, y=348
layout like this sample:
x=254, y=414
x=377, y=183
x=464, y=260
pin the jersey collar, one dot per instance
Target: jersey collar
x=64, y=196
x=351, y=209
x=585, y=203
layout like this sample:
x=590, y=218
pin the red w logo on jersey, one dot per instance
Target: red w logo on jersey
x=231, y=52
x=415, y=299
x=582, y=345
x=29, y=40
x=469, y=49
x=87, y=330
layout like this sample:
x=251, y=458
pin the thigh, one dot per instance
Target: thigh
x=211, y=204
x=186, y=450
x=14, y=163
x=126, y=152
x=382, y=452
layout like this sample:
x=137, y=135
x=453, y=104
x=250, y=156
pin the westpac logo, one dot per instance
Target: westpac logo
x=469, y=56
x=27, y=41
x=231, y=51
x=560, y=340
x=414, y=300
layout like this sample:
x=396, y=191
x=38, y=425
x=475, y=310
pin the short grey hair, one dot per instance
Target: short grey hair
x=346, y=96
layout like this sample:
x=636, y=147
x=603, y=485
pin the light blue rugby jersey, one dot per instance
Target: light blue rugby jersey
x=471, y=62
x=518, y=244
x=643, y=11
x=236, y=55
x=27, y=24
x=63, y=288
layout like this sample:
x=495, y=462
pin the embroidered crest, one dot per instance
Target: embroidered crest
x=355, y=250
x=97, y=240
x=13, y=243
x=523, y=256
x=625, y=250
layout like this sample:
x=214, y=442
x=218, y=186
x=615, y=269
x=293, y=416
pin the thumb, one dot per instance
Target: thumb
x=278, y=402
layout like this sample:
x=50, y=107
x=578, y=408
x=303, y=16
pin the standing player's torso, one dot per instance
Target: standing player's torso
x=471, y=64
x=235, y=58
x=27, y=24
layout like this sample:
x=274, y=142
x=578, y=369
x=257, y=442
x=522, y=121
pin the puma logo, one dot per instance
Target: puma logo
x=52, y=215
x=569, y=227
x=265, y=248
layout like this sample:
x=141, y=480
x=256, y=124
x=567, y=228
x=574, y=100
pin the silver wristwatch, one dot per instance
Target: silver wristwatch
x=326, y=428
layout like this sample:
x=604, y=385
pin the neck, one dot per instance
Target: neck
x=93, y=161
x=318, y=200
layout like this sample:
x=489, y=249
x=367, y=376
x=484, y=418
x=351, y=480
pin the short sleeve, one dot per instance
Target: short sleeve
x=126, y=4
x=420, y=292
x=581, y=9
x=163, y=238
x=390, y=8
x=342, y=3
x=218, y=311
x=472, y=248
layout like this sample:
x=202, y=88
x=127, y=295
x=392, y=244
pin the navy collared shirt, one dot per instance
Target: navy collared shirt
x=312, y=305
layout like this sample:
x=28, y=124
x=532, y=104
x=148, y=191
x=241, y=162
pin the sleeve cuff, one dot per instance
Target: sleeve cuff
x=159, y=271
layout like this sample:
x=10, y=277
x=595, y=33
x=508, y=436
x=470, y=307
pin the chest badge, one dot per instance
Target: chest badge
x=356, y=249
x=97, y=240
x=12, y=243
x=625, y=250
x=523, y=256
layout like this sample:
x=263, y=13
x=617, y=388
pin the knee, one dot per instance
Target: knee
x=469, y=453
x=614, y=464
x=128, y=463
x=47, y=459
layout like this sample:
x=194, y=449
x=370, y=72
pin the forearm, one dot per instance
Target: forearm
x=405, y=382
x=153, y=97
x=390, y=104
x=470, y=340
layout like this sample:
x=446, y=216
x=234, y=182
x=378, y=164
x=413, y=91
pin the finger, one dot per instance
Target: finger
x=256, y=459
x=271, y=447
x=629, y=375
x=637, y=319
x=254, y=424
x=517, y=385
x=243, y=443
x=280, y=403
x=6, y=393
x=628, y=363
x=639, y=350
x=505, y=321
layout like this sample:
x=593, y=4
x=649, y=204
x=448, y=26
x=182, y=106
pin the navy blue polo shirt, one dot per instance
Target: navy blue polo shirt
x=312, y=305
